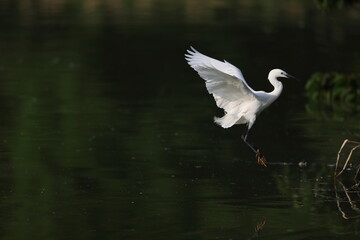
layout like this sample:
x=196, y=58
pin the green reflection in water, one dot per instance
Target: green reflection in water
x=98, y=147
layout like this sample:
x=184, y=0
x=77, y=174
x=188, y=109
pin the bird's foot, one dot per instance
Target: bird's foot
x=260, y=158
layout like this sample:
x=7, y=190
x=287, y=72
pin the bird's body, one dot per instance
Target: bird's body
x=231, y=92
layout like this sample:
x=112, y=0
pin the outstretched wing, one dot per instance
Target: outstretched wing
x=222, y=79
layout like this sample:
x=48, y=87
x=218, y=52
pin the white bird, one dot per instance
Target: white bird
x=240, y=102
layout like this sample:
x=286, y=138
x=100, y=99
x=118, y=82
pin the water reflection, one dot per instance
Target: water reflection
x=314, y=192
x=259, y=227
x=349, y=196
x=94, y=145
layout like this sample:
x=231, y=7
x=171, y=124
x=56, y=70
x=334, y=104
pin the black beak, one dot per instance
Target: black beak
x=289, y=76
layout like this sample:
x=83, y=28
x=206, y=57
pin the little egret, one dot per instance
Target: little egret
x=240, y=102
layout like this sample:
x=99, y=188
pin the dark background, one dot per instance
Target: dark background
x=106, y=132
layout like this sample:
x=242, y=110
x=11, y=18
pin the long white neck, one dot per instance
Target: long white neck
x=278, y=87
x=274, y=94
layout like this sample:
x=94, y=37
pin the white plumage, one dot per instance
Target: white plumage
x=232, y=93
x=230, y=90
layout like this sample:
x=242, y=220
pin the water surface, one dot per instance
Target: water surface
x=105, y=132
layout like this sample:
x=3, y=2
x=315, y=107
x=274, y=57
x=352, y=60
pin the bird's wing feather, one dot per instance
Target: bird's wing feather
x=222, y=79
x=194, y=57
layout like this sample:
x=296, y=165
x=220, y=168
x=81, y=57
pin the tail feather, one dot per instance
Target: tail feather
x=227, y=120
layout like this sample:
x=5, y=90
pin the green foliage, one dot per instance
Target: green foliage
x=333, y=95
x=330, y=88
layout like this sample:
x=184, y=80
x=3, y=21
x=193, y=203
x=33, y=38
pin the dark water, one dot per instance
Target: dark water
x=106, y=133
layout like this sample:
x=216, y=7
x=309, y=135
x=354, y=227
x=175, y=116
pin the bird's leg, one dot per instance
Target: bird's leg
x=259, y=156
x=244, y=138
x=250, y=146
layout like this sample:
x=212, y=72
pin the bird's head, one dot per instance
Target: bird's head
x=278, y=73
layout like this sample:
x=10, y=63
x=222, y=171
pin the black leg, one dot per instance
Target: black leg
x=244, y=138
x=260, y=157
x=250, y=146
